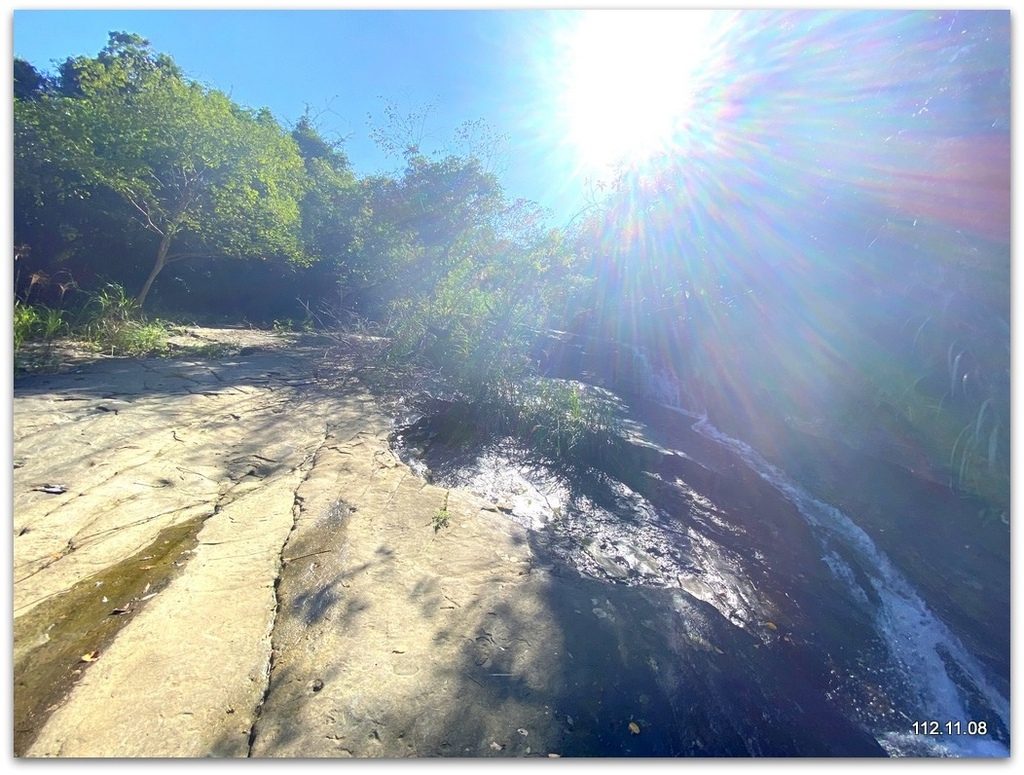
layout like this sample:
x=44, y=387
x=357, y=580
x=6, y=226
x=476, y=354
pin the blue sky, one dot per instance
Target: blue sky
x=854, y=100
x=472, y=64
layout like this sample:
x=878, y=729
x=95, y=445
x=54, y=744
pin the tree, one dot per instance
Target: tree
x=29, y=84
x=206, y=176
x=333, y=207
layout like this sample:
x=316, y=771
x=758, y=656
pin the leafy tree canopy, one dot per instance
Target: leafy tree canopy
x=207, y=177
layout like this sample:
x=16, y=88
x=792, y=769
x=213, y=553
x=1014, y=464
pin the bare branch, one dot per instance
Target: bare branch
x=133, y=198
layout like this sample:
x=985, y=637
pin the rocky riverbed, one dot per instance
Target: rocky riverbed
x=222, y=556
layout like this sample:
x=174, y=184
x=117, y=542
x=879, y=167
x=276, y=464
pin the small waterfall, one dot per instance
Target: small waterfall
x=656, y=380
x=945, y=682
x=920, y=645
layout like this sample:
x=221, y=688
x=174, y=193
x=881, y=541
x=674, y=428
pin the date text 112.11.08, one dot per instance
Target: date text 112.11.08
x=949, y=728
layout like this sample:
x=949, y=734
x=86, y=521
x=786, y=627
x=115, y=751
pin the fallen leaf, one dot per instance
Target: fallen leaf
x=634, y=727
x=770, y=625
x=92, y=656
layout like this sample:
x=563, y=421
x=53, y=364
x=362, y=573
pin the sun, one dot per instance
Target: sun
x=626, y=78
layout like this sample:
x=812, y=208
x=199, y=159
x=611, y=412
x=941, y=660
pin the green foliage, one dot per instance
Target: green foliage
x=977, y=452
x=26, y=318
x=481, y=275
x=36, y=322
x=945, y=374
x=29, y=83
x=898, y=345
x=335, y=221
x=288, y=326
x=202, y=175
x=571, y=423
x=51, y=323
x=477, y=309
x=440, y=519
x=112, y=322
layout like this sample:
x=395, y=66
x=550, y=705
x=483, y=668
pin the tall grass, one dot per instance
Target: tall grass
x=26, y=318
x=567, y=424
x=109, y=321
x=112, y=321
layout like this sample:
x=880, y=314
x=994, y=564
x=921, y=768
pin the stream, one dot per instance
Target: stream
x=712, y=523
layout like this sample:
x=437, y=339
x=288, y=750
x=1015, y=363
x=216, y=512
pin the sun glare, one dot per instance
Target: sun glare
x=627, y=78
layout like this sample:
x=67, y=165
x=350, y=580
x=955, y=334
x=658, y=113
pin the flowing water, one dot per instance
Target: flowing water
x=711, y=520
x=936, y=677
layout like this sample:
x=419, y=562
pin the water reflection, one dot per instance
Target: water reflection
x=737, y=535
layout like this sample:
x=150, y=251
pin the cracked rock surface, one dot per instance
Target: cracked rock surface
x=222, y=557
x=137, y=448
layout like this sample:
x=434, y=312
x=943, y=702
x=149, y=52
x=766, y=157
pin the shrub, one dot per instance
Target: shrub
x=25, y=319
x=112, y=321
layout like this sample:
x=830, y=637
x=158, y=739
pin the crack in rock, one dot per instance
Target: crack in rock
x=306, y=466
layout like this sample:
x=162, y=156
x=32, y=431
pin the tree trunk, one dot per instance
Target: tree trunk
x=161, y=262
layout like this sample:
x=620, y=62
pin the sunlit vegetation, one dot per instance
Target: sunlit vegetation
x=139, y=191
x=902, y=351
x=565, y=424
x=111, y=321
x=106, y=321
x=200, y=174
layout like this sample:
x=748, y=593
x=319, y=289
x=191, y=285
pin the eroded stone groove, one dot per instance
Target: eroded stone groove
x=226, y=461
x=306, y=467
x=52, y=638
